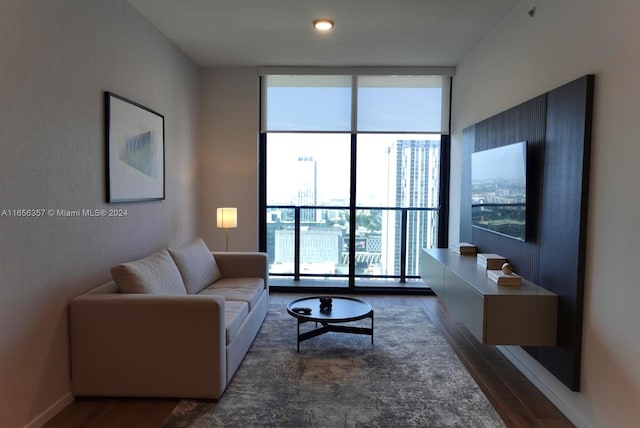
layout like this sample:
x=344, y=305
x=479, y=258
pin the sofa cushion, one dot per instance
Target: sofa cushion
x=235, y=313
x=196, y=264
x=243, y=289
x=154, y=274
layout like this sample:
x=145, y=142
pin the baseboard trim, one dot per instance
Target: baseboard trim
x=546, y=383
x=51, y=411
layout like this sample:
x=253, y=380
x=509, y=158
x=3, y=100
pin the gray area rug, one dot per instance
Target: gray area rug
x=409, y=377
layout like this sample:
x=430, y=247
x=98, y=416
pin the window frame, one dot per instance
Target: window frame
x=442, y=211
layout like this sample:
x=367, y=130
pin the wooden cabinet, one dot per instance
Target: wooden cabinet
x=495, y=315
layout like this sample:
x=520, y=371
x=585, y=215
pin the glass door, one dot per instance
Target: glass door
x=308, y=197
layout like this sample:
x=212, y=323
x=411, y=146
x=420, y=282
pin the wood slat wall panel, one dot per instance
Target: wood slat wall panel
x=557, y=126
x=564, y=215
x=468, y=146
x=525, y=122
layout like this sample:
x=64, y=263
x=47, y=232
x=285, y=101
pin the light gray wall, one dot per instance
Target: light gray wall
x=57, y=58
x=228, y=155
x=524, y=57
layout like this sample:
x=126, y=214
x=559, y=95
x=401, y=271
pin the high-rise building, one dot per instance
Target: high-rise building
x=413, y=182
x=307, y=179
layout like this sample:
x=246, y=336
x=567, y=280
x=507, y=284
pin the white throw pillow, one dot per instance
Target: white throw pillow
x=196, y=264
x=155, y=274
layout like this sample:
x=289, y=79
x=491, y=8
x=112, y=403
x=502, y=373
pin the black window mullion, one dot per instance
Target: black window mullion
x=352, y=213
x=443, y=192
x=296, y=245
x=403, y=247
x=262, y=193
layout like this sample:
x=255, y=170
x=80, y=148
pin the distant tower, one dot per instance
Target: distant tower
x=307, y=179
x=413, y=182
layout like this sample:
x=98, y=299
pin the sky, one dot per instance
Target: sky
x=332, y=153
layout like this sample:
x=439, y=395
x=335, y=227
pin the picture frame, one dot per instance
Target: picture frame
x=135, y=151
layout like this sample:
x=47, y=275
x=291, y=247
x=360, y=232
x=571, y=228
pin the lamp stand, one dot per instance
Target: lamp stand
x=227, y=233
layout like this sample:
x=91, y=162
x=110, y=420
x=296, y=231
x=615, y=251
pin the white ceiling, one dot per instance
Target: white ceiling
x=367, y=32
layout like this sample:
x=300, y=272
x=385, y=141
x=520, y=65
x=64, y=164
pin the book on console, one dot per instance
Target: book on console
x=502, y=278
x=491, y=261
x=463, y=248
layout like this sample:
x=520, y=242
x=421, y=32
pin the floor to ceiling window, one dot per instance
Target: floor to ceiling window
x=353, y=176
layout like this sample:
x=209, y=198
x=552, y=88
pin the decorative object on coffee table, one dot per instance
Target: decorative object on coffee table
x=325, y=304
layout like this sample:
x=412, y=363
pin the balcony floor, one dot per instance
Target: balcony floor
x=322, y=282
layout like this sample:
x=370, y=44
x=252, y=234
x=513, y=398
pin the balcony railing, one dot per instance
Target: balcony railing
x=377, y=244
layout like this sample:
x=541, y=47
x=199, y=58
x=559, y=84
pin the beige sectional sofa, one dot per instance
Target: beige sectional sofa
x=175, y=324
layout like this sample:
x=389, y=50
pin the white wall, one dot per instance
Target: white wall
x=524, y=57
x=57, y=58
x=228, y=155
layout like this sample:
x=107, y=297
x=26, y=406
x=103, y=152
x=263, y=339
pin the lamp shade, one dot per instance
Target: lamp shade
x=227, y=218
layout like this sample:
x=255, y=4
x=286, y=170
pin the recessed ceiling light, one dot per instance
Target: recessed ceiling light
x=323, y=24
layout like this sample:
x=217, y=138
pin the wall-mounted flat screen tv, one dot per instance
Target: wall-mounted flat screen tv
x=499, y=190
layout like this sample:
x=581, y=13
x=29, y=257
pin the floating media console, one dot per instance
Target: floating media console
x=495, y=315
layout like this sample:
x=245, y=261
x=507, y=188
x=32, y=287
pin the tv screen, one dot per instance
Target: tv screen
x=499, y=190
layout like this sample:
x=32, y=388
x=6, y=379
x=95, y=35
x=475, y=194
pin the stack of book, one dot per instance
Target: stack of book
x=464, y=248
x=502, y=278
x=491, y=261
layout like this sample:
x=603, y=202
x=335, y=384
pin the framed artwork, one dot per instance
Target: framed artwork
x=135, y=151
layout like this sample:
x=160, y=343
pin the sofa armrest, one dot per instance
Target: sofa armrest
x=148, y=345
x=243, y=265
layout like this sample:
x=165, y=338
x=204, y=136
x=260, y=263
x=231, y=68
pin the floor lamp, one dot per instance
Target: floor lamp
x=227, y=218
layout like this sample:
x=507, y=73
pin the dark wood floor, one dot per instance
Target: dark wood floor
x=518, y=401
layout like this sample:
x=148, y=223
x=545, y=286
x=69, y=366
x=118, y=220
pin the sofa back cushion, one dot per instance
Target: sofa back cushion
x=196, y=264
x=155, y=274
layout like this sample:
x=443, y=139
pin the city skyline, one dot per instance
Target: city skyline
x=331, y=153
x=406, y=175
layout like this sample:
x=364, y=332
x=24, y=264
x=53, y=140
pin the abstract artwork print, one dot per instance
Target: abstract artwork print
x=135, y=151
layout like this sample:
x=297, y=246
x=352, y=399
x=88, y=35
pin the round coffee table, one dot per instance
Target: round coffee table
x=343, y=310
